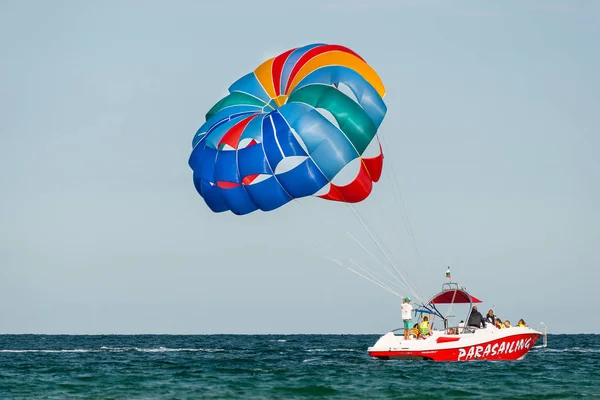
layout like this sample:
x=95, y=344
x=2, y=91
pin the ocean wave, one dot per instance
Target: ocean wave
x=114, y=349
x=47, y=351
x=570, y=350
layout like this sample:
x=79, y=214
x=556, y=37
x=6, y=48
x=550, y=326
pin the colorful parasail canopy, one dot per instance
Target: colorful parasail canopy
x=303, y=123
x=454, y=296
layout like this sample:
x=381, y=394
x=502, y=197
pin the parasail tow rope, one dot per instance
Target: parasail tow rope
x=375, y=281
x=375, y=276
x=408, y=224
x=384, y=251
x=396, y=277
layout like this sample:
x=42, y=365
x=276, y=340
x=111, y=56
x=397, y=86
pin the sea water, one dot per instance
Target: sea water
x=279, y=367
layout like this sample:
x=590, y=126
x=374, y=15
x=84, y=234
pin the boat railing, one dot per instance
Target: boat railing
x=545, y=340
x=460, y=329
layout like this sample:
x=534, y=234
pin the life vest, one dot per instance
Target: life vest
x=424, y=327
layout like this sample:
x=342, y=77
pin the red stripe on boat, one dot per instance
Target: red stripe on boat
x=446, y=339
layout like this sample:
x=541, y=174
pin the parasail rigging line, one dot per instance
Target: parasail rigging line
x=394, y=275
x=384, y=251
x=376, y=276
x=391, y=172
x=364, y=277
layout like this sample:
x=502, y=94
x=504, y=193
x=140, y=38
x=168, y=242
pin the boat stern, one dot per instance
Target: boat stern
x=393, y=346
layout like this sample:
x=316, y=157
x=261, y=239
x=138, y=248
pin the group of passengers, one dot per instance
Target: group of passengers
x=479, y=321
x=423, y=330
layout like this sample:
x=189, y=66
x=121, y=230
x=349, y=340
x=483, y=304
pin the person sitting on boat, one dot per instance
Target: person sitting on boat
x=522, y=323
x=407, y=310
x=476, y=319
x=424, y=327
x=490, y=318
x=498, y=323
x=415, y=330
x=507, y=324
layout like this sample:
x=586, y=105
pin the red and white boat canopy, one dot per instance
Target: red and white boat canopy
x=454, y=296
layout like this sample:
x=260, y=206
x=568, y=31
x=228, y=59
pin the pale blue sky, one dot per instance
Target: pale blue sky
x=492, y=132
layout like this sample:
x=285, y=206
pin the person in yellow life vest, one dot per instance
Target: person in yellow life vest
x=521, y=323
x=498, y=323
x=415, y=330
x=424, y=327
x=507, y=324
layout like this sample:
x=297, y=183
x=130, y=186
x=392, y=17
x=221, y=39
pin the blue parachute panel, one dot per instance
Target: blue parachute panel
x=195, y=157
x=286, y=139
x=220, y=118
x=327, y=145
x=332, y=154
x=311, y=126
x=268, y=194
x=238, y=200
x=215, y=135
x=304, y=180
x=211, y=194
x=226, y=168
x=272, y=151
x=249, y=84
x=252, y=160
x=205, y=159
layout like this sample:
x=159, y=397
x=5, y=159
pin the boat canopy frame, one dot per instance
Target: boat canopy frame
x=451, y=293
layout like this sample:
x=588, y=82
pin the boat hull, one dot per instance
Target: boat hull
x=484, y=344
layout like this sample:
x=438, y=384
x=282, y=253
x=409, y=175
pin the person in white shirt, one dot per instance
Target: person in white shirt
x=407, y=310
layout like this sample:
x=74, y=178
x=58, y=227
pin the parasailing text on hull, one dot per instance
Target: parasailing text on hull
x=495, y=350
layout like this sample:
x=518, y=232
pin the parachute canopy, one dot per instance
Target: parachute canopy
x=304, y=123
